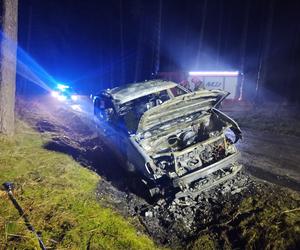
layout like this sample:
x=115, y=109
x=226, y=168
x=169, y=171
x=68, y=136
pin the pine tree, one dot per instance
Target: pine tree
x=8, y=47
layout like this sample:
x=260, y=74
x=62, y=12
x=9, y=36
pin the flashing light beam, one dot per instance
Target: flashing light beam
x=27, y=67
x=214, y=73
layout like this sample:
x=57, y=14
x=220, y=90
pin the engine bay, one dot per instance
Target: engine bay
x=188, y=145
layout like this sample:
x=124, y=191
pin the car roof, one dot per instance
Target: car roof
x=133, y=91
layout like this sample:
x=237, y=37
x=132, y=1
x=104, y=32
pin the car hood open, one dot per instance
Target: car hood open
x=180, y=107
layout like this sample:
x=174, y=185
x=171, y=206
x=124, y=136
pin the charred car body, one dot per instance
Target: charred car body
x=176, y=139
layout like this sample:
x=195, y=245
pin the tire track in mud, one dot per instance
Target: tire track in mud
x=280, y=180
x=273, y=158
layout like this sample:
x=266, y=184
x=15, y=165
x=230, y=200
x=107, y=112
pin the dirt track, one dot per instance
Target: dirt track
x=269, y=158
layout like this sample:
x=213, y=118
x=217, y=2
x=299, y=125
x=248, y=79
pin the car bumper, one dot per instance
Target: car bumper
x=201, y=173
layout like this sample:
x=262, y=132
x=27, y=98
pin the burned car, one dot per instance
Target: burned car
x=177, y=140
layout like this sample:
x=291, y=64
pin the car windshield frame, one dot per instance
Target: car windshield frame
x=137, y=107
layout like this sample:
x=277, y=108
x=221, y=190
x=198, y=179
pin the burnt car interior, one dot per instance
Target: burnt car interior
x=179, y=134
x=130, y=113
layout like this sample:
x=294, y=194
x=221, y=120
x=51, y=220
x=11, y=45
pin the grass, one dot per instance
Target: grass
x=269, y=219
x=277, y=222
x=58, y=196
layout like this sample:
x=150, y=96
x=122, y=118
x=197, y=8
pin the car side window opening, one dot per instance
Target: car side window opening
x=178, y=90
x=104, y=109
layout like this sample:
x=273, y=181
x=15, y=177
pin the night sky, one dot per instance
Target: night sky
x=98, y=44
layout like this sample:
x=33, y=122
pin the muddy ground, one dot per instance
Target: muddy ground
x=274, y=158
x=232, y=215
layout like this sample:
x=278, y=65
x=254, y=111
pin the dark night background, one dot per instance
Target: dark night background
x=98, y=44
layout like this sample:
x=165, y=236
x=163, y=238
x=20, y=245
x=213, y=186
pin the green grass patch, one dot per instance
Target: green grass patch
x=268, y=219
x=58, y=196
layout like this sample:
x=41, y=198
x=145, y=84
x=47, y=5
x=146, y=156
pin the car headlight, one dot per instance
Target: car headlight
x=61, y=98
x=74, y=97
x=54, y=94
x=62, y=87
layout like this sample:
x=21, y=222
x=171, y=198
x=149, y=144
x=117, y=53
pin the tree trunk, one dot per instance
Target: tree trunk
x=265, y=52
x=221, y=14
x=8, y=47
x=122, y=44
x=158, y=38
x=199, y=55
x=243, y=47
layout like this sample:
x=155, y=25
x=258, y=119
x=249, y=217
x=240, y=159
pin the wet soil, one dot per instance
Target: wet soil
x=272, y=157
x=177, y=223
x=215, y=219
